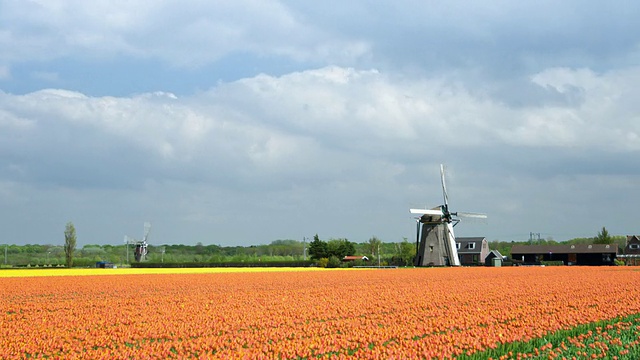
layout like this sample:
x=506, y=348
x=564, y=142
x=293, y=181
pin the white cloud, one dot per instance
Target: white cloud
x=354, y=109
x=267, y=124
x=14, y=124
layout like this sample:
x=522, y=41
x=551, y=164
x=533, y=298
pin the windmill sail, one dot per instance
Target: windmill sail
x=437, y=211
x=471, y=215
x=454, y=260
x=444, y=187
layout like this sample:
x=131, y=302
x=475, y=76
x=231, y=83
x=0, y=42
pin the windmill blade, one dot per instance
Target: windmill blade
x=147, y=228
x=426, y=211
x=471, y=215
x=444, y=187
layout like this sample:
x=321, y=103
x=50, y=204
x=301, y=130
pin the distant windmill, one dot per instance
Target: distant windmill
x=435, y=240
x=140, y=251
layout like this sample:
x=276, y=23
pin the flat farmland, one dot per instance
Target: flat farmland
x=552, y=312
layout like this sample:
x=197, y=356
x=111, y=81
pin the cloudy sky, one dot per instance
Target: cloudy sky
x=242, y=122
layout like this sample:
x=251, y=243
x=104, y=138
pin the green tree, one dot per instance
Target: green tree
x=318, y=248
x=407, y=252
x=69, y=243
x=603, y=237
x=200, y=249
x=340, y=248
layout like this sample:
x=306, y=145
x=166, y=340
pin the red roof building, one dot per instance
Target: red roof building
x=354, y=258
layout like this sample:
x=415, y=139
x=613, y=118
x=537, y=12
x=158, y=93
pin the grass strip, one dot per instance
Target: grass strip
x=617, y=338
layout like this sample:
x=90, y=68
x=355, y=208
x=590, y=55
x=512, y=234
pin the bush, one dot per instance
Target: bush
x=358, y=263
x=333, y=262
x=323, y=262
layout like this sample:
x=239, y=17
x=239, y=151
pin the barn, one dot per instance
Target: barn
x=575, y=254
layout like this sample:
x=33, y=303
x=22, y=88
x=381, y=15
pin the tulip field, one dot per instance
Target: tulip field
x=430, y=313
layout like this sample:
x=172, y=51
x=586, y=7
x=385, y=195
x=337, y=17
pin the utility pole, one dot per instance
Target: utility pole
x=126, y=246
x=534, y=236
x=304, y=248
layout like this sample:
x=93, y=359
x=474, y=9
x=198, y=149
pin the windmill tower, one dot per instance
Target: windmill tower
x=435, y=239
x=140, y=249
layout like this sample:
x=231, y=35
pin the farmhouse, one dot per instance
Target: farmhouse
x=631, y=254
x=472, y=250
x=577, y=254
x=633, y=245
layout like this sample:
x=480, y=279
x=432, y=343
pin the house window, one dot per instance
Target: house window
x=458, y=246
x=634, y=246
x=471, y=246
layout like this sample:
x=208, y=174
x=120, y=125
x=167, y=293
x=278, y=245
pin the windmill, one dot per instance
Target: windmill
x=435, y=240
x=140, y=251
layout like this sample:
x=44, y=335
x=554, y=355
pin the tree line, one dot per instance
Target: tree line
x=281, y=251
x=327, y=253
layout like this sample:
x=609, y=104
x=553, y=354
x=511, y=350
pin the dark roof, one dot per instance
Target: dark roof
x=495, y=253
x=565, y=249
x=633, y=238
x=468, y=239
x=465, y=241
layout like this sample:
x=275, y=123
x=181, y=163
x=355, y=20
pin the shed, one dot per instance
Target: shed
x=104, y=265
x=493, y=257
